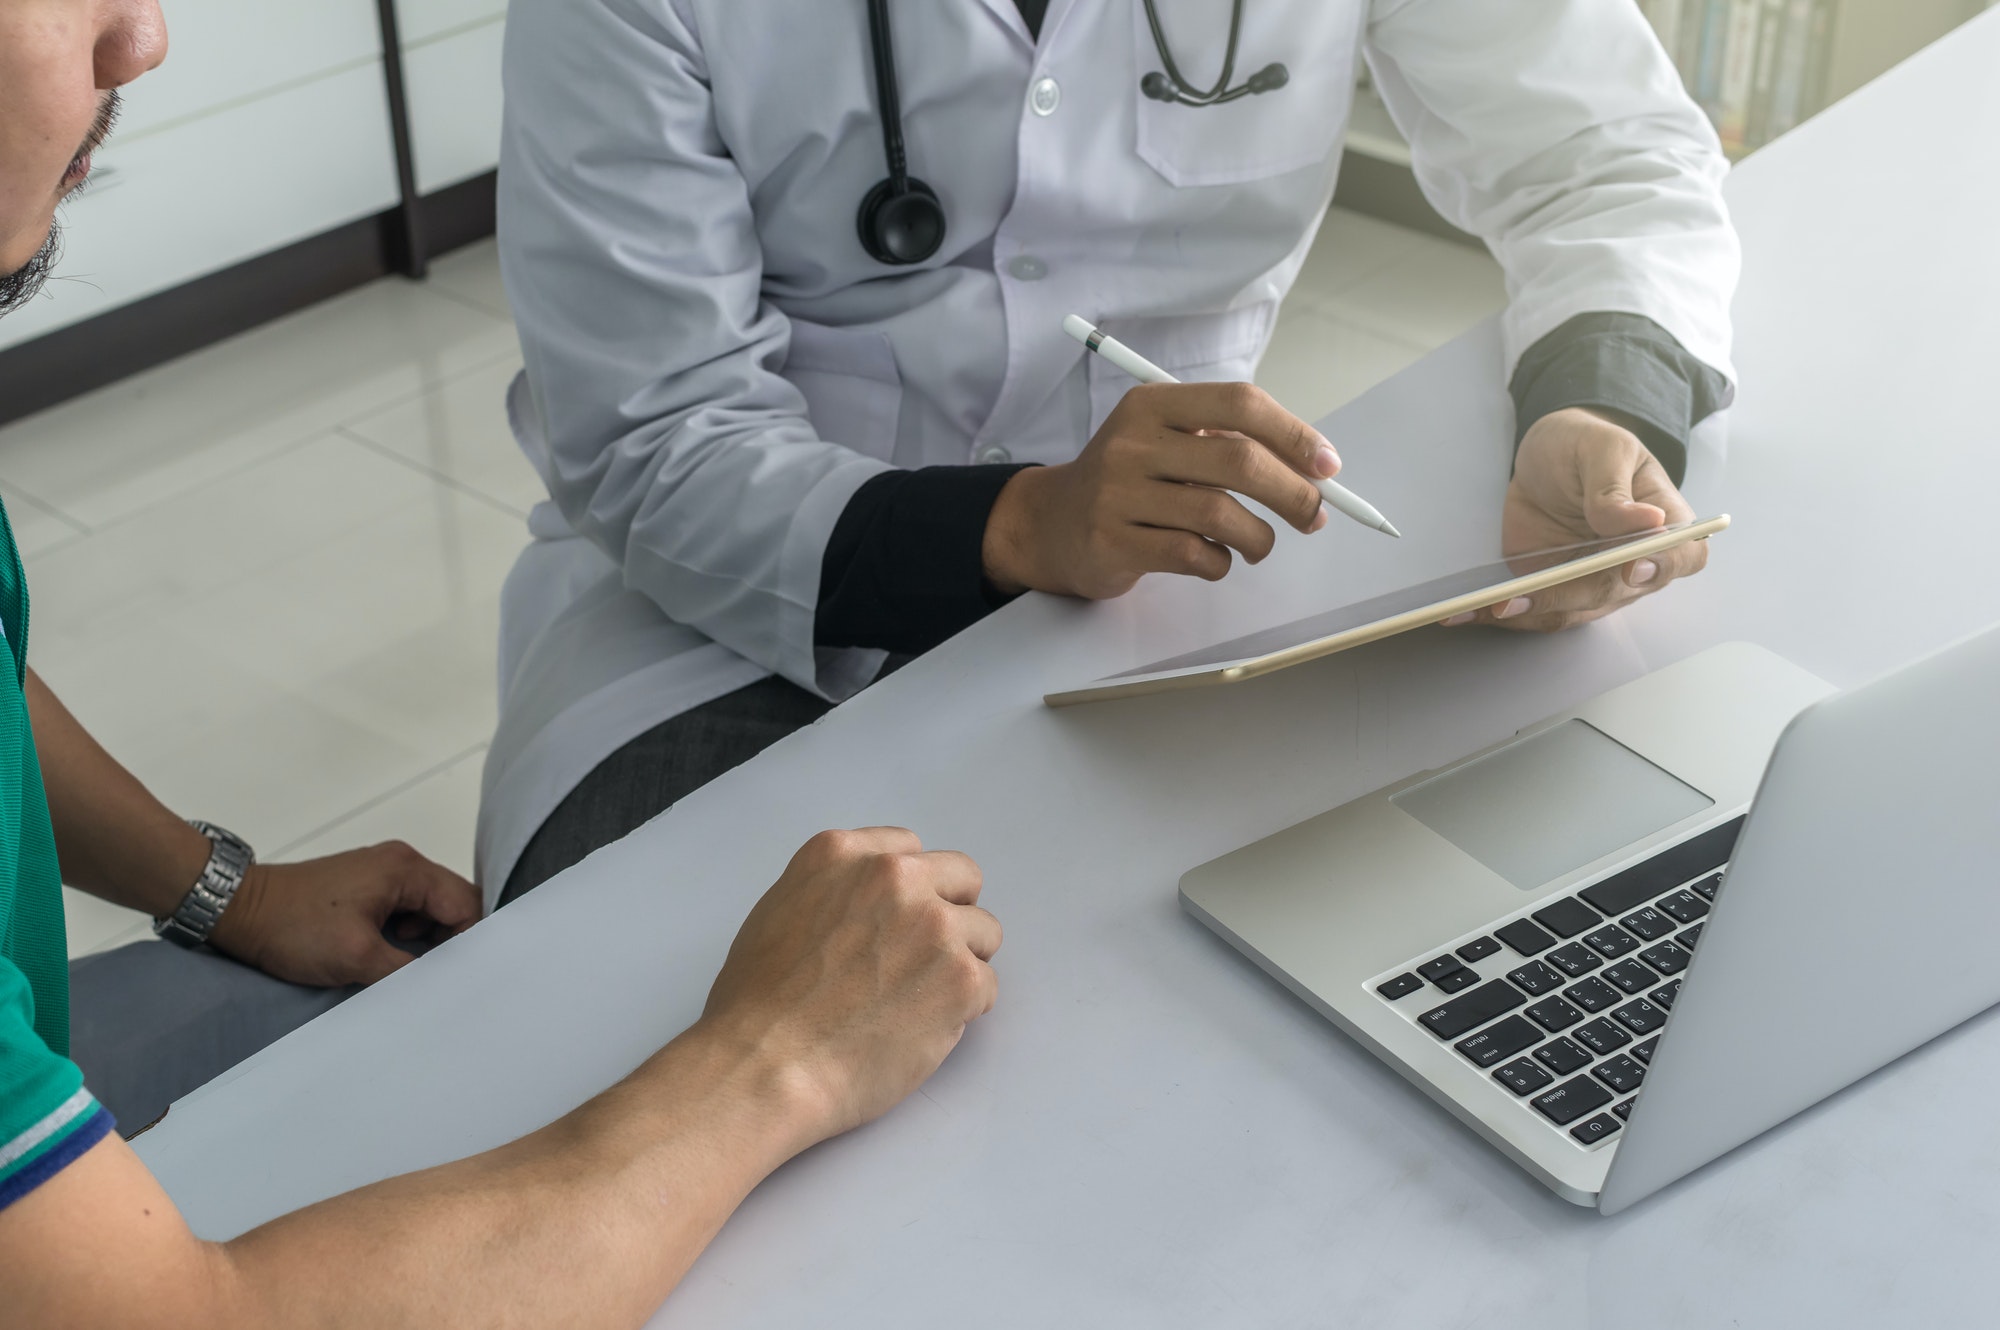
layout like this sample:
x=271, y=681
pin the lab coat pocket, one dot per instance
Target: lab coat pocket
x=1258, y=136
x=853, y=391
x=1196, y=348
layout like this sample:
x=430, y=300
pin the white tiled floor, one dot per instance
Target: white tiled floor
x=267, y=575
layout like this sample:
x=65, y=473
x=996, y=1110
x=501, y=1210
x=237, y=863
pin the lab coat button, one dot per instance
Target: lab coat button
x=1028, y=268
x=992, y=455
x=1045, y=96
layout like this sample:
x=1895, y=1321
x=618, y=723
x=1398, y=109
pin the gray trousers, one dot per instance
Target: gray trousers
x=151, y=1021
x=652, y=772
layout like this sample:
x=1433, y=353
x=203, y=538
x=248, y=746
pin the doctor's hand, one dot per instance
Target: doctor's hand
x=856, y=975
x=1580, y=476
x=1156, y=491
x=320, y=922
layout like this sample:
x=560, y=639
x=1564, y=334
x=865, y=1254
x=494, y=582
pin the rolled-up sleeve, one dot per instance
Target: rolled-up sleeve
x=1559, y=132
x=667, y=434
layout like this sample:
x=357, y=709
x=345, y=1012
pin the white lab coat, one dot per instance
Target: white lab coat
x=714, y=364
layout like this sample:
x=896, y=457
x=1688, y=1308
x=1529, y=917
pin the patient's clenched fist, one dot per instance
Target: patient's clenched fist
x=863, y=966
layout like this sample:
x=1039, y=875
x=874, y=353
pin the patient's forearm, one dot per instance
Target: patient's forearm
x=113, y=837
x=591, y=1221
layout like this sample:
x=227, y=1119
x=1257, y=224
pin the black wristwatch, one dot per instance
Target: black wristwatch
x=229, y=858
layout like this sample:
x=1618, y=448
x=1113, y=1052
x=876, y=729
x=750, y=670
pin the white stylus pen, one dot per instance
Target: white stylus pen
x=1145, y=371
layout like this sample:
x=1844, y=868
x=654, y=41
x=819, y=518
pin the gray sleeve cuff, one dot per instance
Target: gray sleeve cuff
x=1625, y=363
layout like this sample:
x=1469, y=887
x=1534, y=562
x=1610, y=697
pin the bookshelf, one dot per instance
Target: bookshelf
x=1756, y=67
x=1760, y=67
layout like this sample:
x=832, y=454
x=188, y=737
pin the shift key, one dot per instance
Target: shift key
x=1468, y=1010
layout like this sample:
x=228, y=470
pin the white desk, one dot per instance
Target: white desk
x=1147, y=1131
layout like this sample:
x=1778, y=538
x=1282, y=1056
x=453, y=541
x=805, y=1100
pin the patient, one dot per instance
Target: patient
x=849, y=983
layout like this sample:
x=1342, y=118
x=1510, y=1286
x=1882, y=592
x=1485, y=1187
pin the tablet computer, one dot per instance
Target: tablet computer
x=1371, y=620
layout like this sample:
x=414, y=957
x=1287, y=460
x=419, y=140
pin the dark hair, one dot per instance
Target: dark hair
x=17, y=288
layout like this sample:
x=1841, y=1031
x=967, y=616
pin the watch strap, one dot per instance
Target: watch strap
x=229, y=859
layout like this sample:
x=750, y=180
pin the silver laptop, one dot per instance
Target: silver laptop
x=1642, y=932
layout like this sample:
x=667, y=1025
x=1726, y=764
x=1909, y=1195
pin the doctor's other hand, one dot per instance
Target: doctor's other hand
x=1155, y=491
x=855, y=976
x=320, y=922
x=1579, y=476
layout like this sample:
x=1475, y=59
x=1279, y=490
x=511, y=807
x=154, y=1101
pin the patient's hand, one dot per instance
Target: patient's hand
x=320, y=922
x=857, y=973
x=1577, y=477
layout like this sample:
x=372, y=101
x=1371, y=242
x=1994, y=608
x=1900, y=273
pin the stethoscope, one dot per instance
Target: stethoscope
x=902, y=222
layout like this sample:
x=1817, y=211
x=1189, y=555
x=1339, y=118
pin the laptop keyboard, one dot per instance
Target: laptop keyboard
x=1562, y=1006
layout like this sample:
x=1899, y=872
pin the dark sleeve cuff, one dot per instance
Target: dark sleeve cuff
x=903, y=569
x=1625, y=363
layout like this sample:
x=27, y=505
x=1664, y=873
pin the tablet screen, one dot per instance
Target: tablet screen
x=1318, y=627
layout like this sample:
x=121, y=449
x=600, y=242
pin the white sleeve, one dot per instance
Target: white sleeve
x=668, y=436
x=1559, y=132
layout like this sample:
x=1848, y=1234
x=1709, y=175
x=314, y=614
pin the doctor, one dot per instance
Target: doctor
x=790, y=282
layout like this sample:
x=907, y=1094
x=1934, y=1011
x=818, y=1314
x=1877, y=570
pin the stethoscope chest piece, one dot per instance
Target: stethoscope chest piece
x=901, y=221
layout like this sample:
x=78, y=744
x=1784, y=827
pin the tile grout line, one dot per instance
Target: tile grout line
x=1350, y=323
x=383, y=798
x=47, y=509
x=459, y=298
x=449, y=482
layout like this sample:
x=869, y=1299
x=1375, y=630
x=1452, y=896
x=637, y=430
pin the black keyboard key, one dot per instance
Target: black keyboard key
x=1684, y=906
x=1624, y=1110
x=1640, y=1017
x=1630, y=976
x=1648, y=923
x=1621, y=1073
x=1571, y=1100
x=1707, y=887
x=1458, y=979
x=1566, y=917
x=1536, y=979
x=1664, y=871
x=1664, y=996
x=1601, y=1036
x=1443, y=965
x=1522, y=1077
x=1562, y=1056
x=1686, y=940
x=1573, y=959
x=1644, y=1052
x=1498, y=1041
x=1665, y=957
x=1524, y=937
x=1478, y=949
x=1464, y=1013
x=1400, y=987
x=1600, y=1128
x=1554, y=1014
x=1611, y=942
x=1593, y=995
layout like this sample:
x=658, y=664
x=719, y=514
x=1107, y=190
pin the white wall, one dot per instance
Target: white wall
x=269, y=123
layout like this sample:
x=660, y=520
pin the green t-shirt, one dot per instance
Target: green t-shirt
x=47, y=1118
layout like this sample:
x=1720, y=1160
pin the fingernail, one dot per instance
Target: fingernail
x=1643, y=572
x=1457, y=619
x=1319, y=520
x=1325, y=460
x=1518, y=605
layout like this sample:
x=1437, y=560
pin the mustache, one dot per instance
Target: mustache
x=100, y=128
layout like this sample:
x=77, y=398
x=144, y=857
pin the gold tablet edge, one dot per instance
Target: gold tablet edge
x=1402, y=623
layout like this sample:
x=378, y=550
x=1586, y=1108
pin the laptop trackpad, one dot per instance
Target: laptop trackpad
x=1551, y=802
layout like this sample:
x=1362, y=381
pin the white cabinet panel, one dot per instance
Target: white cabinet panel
x=222, y=51
x=454, y=94
x=214, y=191
x=419, y=21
